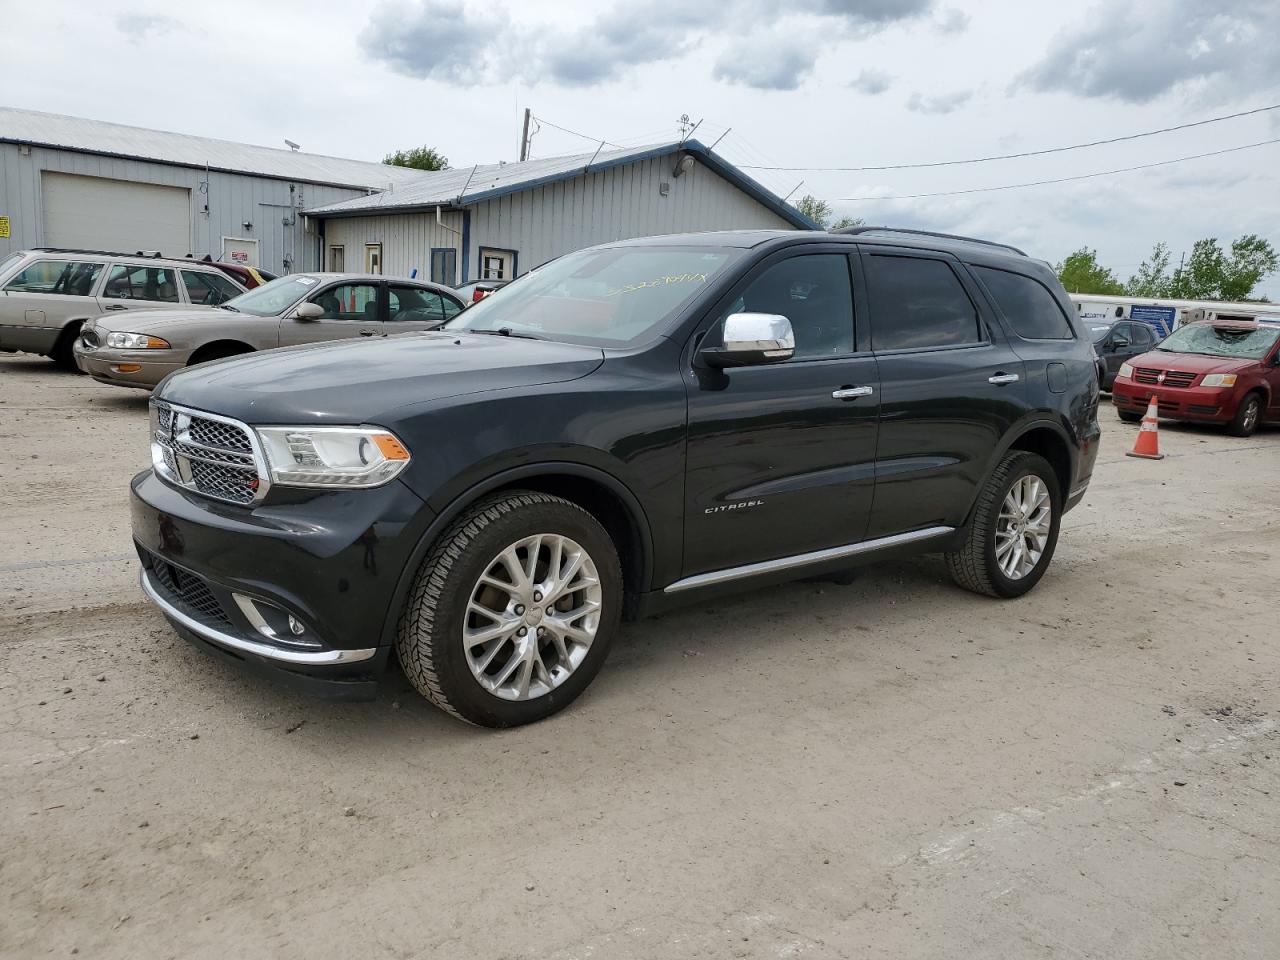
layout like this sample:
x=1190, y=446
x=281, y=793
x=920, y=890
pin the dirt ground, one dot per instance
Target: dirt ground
x=891, y=769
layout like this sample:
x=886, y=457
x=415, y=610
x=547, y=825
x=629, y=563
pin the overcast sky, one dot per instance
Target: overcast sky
x=835, y=83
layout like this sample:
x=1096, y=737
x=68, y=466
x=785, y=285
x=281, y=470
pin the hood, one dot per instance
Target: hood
x=1191, y=362
x=363, y=381
x=148, y=320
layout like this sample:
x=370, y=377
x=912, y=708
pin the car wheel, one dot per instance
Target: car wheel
x=1129, y=416
x=63, y=355
x=1014, y=530
x=513, y=610
x=1247, y=416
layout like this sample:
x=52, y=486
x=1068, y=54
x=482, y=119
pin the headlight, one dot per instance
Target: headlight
x=136, y=341
x=1126, y=371
x=1218, y=380
x=332, y=456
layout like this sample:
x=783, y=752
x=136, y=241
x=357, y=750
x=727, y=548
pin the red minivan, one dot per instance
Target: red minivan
x=1215, y=371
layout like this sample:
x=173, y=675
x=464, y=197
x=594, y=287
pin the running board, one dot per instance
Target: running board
x=805, y=559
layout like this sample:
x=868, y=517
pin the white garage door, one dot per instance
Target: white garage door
x=102, y=214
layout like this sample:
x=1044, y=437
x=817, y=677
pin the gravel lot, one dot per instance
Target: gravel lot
x=892, y=768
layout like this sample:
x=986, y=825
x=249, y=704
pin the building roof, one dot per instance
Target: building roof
x=470, y=185
x=119, y=140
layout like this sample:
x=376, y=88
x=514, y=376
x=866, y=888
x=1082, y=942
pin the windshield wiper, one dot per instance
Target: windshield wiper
x=507, y=332
x=227, y=306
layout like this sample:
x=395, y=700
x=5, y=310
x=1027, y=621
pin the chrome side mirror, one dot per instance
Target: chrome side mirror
x=750, y=339
x=308, y=311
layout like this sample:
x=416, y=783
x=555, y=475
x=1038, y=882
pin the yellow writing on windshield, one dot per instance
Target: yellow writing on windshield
x=658, y=282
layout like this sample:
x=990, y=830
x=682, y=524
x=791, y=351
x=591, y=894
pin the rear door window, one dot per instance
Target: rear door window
x=415, y=305
x=918, y=302
x=209, y=289
x=127, y=282
x=1027, y=304
x=68, y=278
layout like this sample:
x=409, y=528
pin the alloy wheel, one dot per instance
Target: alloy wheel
x=1022, y=529
x=532, y=616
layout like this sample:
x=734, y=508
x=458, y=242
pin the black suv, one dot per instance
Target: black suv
x=628, y=427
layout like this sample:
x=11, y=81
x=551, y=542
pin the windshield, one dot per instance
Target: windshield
x=1244, y=343
x=1098, y=330
x=274, y=298
x=607, y=297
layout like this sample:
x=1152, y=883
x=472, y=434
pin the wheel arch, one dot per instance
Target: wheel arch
x=600, y=493
x=1042, y=436
x=219, y=348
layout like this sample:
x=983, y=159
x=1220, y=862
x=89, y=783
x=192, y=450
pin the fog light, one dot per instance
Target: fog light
x=127, y=367
x=272, y=622
x=295, y=627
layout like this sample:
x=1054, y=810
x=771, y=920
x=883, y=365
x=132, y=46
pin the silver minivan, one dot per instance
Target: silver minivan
x=46, y=294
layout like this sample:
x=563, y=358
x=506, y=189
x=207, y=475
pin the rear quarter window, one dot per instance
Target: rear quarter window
x=1032, y=311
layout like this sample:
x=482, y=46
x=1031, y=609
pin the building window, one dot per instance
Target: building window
x=444, y=263
x=496, y=264
x=373, y=258
x=337, y=258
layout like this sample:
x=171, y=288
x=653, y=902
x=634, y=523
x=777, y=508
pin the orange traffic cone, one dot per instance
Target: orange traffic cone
x=1148, y=443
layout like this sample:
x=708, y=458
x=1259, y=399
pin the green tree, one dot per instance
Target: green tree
x=1081, y=273
x=1152, y=279
x=820, y=212
x=1210, y=273
x=420, y=158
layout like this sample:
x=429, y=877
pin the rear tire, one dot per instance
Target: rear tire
x=1001, y=541
x=467, y=590
x=63, y=355
x=1128, y=416
x=1247, y=417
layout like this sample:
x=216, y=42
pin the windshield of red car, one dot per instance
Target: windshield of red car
x=1243, y=343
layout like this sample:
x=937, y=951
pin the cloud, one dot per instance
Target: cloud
x=953, y=20
x=141, y=26
x=871, y=82
x=441, y=40
x=1139, y=52
x=938, y=105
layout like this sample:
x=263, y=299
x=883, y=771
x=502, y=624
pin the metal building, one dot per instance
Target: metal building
x=498, y=220
x=71, y=182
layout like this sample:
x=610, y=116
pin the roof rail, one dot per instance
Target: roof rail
x=144, y=254
x=931, y=233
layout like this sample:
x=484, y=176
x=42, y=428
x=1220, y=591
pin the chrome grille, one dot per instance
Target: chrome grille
x=212, y=455
x=1171, y=378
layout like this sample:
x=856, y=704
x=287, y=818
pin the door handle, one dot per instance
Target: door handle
x=1003, y=378
x=115, y=306
x=850, y=393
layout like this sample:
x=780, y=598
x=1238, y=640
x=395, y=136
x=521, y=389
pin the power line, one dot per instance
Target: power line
x=1016, y=156
x=1041, y=183
x=545, y=122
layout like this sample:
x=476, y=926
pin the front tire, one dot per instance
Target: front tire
x=513, y=610
x=1247, y=417
x=1014, y=530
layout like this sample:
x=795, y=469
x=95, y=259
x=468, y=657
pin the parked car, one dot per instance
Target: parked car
x=632, y=426
x=299, y=308
x=476, y=290
x=1119, y=341
x=47, y=294
x=1212, y=371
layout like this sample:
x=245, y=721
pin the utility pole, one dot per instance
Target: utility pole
x=524, y=137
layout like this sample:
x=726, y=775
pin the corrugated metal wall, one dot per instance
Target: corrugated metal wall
x=616, y=204
x=548, y=221
x=407, y=241
x=233, y=200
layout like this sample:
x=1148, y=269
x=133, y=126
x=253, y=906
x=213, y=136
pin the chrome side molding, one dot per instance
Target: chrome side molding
x=805, y=559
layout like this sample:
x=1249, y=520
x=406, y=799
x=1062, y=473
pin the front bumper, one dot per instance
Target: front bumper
x=1210, y=404
x=114, y=366
x=229, y=577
